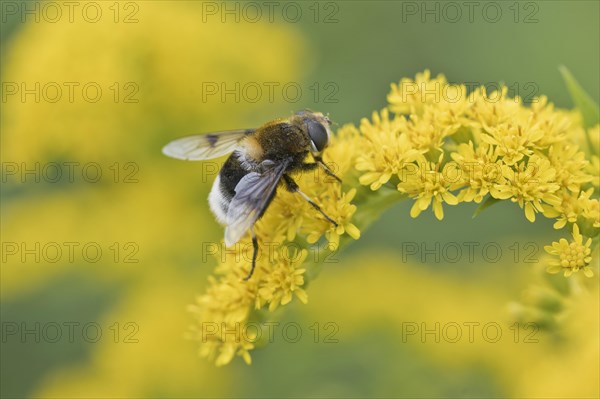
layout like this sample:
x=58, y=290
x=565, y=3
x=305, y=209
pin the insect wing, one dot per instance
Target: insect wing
x=252, y=195
x=205, y=146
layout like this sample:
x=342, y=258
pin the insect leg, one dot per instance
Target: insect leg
x=254, y=255
x=293, y=187
x=309, y=166
x=313, y=165
x=326, y=168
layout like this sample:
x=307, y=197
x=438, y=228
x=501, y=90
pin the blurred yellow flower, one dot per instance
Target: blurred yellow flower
x=136, y=78
x=151, y=79
x=591, y=208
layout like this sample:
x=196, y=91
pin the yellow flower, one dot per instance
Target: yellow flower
x=435, y=109
x=284, y=281
x=573, y=206
x=489, y=110
x=557, y=125
x=342, y=151
x=232, y=302
x=290, y=214
x=594, y=165
x=590, y=207
x=136, y=81
x=479, y=169
x=283, y=218
x=565, y=212
x=385, y=150
x=341, y=212
x=411, y=96
x=428, y=132
x=228, y=299
x=512, y=142
x=529, y=183
x=427, y=184
x=224, y=308
x=229, y=349
x=477, y=145
x=572, y=257
x=223, y=351
x=570, y=165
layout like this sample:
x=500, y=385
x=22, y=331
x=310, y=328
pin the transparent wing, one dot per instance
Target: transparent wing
x=252, y=195
x=205, y=146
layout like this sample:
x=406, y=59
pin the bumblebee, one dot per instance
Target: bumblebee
x=261, y=159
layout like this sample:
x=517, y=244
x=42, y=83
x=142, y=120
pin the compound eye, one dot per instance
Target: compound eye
x=318, y=135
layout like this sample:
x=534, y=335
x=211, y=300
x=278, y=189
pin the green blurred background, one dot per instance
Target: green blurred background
x=343, y=55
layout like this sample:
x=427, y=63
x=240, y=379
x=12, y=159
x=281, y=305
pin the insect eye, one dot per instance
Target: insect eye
x=318, y=135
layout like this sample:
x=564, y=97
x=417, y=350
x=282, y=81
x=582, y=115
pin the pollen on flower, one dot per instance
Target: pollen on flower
x=571, y=256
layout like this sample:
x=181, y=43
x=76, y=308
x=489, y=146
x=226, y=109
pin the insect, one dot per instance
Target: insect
x=261, y=159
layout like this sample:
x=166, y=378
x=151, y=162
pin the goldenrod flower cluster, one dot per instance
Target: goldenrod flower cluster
x=443, y=145
x=438, y=145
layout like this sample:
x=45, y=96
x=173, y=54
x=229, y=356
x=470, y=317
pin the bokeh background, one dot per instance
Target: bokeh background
x=343, y=55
